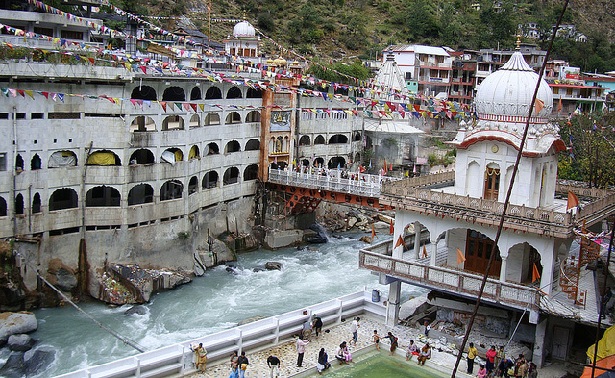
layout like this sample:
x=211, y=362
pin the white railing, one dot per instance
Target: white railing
x=376, y=258
x=264, y=333
x=331, y=180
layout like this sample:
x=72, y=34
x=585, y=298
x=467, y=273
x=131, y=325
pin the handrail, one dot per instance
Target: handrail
x=460, y=282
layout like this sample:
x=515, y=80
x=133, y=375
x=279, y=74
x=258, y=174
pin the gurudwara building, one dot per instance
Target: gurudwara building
x=538, y=279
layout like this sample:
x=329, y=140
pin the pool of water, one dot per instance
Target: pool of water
x=382, y=365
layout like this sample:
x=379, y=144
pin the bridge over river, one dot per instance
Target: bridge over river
x=308, y=187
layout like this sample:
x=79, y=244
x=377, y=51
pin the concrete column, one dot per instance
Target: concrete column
x=546, y=279
x=392, y=315
x=539, y=352
x=434, y=251
x=417, y=239
x=503, y=269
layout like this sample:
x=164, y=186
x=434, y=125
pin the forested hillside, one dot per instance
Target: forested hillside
x=347, y=29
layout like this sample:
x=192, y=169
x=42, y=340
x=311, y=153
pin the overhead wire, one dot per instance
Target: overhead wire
x=509, y=191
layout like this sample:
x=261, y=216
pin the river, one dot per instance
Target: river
x=216, y=301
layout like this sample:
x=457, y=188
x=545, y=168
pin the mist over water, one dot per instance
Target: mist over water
x=219, y=300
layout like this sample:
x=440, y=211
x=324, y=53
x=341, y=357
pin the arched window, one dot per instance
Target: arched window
x=319, y=162
x=173, y=122
x=174, y=94
x=194, y=153
x=319, y=140
x=233, y=117
x=195, y=121
x=172, y=155
x=61, y=199
x=231, y=176
x=172, y=189
x=251, y=172
x=212, y=119
x=232, y=146
x=36, y=163
x=142, y=156
x=193, y=185
x=3, y=207
x=210, y=180
x=253, y=145
x=142, y=124
x=337, y=162
x=213, y=93
x=62, y=159
x=233, y=93
x=102, y=196
x=103, y=157
x=253, y=116
x=254, y=93
x=36, y=204
x=338, y=138
x=139, y=194
x=19, y=205
x=213, y=149
x=195, y=93
x=143, y=92
x=19, y=163
x=304, y=141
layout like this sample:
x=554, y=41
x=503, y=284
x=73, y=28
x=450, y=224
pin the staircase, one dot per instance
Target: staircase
x=571, y=268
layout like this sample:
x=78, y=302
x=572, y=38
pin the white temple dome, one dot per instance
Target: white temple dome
x=244, y=29
x=509, y=91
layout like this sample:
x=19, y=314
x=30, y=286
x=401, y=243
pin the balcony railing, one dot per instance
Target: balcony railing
x=450, y=280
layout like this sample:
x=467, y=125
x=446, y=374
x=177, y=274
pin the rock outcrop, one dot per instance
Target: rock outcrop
x=13, y=323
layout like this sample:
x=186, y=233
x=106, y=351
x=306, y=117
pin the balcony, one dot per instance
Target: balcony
x=464, y=283
x=415, y=195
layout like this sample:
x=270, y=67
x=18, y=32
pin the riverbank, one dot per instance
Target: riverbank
x=331, y=338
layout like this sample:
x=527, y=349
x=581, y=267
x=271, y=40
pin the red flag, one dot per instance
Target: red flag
x=460, y=257
x=400, y=241
x=573, y=201
x=373, y=231
x=535, y=273
x=391, y=227
x=391, y=167
x=385, y=166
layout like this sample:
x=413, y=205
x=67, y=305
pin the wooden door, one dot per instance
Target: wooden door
x=560, y=342
x=492, y=184
x=478, y=252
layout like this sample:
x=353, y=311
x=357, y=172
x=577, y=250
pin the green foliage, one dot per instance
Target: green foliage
x=328, y=72
x=446, y=160
x=590, y=157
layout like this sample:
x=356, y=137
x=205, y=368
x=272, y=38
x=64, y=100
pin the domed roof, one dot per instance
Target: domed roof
x=280, y=62
x=244, y=29
x=509, y=91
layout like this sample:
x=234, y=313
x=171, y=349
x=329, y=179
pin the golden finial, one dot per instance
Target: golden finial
x=518, y=43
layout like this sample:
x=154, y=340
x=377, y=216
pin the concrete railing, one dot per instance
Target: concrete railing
x=365, y=185
x=177, y=359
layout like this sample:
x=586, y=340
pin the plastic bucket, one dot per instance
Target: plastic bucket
x=375, y=295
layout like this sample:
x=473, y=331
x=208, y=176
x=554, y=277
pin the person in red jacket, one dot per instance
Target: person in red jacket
x=490, y=356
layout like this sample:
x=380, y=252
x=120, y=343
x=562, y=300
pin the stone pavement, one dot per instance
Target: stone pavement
x=441, y=360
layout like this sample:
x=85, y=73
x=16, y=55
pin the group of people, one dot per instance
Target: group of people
x=239, y=365
x=498, y=365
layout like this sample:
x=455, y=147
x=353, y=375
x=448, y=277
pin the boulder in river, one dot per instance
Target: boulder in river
x=272, y=265
x=20, y=343
x=136, y=310
x=12, y=323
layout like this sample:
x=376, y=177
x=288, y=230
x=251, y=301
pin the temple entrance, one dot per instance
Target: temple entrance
x=492, y=183
x=478, y=252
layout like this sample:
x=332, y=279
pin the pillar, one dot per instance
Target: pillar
x=503, y=269
x=434, y=251
x=539, y=352
x=392, y=314
x=417, y=239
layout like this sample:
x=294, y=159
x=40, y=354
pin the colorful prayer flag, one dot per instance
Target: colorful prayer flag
x=400, y=241
x=539, y=105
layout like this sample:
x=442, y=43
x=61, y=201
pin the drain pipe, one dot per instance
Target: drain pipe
x=14, y=169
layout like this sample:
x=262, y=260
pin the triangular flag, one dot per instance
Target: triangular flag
x=400, y=241
x=424, y=254
x=559, y=105
x=460, y=257
x=373, y=231
x=539, y=105
x=391, y=227
x=535, y=273
x=573, y=201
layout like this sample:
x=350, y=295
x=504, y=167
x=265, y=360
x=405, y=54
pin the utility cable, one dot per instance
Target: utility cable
x=508, y=192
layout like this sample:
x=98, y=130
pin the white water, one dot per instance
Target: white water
x=216, y=301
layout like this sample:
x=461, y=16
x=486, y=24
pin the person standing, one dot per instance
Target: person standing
x=472, y=353
x=243, y=363
x=201, y=357
x=376, y=339
x=317, y=325
x=274, y=366
x=307, y=329
x=490, y=357
x=394, y=342
x=427, y=328
x=234, y=365
x=301, y=350
x=323, y=361
x=499, y=357
x=354, y=328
